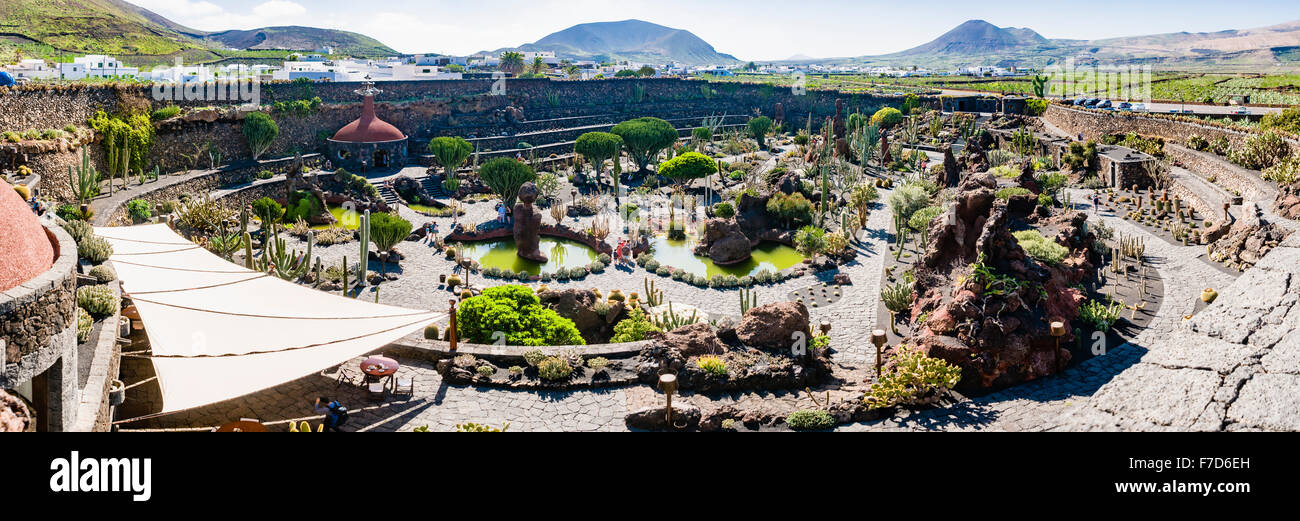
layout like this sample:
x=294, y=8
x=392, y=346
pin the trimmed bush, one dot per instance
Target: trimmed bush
x=517, y=312
x=1041, y=248
x=810, y=420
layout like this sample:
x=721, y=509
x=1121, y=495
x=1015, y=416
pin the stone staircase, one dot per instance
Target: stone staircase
x=388, y=195
x=432, y=187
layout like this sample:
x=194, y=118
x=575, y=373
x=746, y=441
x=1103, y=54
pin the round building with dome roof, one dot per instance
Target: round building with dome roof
x=368, y=142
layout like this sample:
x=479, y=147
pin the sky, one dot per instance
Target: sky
x=749, y=29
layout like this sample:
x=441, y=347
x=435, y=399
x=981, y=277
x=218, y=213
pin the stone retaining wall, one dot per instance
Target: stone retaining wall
x=416, y=346
x=1096, y=124
x=1227, y=175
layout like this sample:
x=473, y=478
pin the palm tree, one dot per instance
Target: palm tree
x=512, y=62
x=538, y=65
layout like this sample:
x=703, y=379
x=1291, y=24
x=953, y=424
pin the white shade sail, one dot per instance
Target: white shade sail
x=219, y=331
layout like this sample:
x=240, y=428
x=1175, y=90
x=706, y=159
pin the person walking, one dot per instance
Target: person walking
x=335, y=413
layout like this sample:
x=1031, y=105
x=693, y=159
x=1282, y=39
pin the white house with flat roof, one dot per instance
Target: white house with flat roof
x=96, y=66
x=32, y=69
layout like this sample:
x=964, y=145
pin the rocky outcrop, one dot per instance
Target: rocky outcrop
x=692, y=340
x=772, y=326
x=1288, y=201
x=14, y=415
x=751, y=215
x=988, y=305
x=1246, y=241
x=528, y=225
x=724, y=242
x=685, y=416
x=951, y=173
x=580, y=307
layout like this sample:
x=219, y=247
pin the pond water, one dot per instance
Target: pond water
x=350, y=221
x=770, y=256
x=501, y=254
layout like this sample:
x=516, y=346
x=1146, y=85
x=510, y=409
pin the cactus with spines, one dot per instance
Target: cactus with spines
x=249, y=261
x=277, y=259
x=748, y=300
x=345, y=275
x=653, y=297
x=365, y=249
x=83, y=180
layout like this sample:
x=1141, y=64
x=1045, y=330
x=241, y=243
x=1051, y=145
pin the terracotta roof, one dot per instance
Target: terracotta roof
x=368, y=128
x=24, y=246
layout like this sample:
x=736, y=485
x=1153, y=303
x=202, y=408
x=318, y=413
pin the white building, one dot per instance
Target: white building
x=32, y=69
x=96, y=66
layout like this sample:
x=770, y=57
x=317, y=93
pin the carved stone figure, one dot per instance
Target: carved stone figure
x=528, y=225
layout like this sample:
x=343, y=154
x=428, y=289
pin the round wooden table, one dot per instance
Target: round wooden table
x=242, y=426
x=379, y=366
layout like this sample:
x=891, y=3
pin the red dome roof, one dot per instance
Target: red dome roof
x=24, y=246
x=368, y=128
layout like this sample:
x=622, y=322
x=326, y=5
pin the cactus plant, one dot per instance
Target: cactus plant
x=748, y=300
x=653, y=297
x=98, y=300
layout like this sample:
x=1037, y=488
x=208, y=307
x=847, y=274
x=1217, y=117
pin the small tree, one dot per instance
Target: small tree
x=512, y=62
x=646, y=71
x=688, y=167
x=261, y=131
x=386, y=232
x=645, y=138
x=504, y=176
x=759, y=127
x=451, y=152
x=810, y=241
x=598, y=147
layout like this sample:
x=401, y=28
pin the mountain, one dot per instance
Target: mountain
x=632, y=40
x=58, y=28
x=977, y=42
x=976, y=37
x=296, y=38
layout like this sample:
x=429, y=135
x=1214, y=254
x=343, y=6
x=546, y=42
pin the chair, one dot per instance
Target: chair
x=347, y=376
x=404, y=385
x=376, y=390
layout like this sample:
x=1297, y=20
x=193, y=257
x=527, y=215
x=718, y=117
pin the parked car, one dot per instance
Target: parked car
x=1091, y=103
x=1239, y=111
x=1124, y=105
x=1079, y=101
x=1105, y=104
x=1140, y=107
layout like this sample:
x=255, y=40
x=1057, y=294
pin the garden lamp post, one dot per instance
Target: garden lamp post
x=668, y=384
x=1226, y=217
x=878, y=338
x=451, y=329
x=1058, y=331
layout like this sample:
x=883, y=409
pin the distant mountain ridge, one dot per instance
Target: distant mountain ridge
x=633, y=40
x=977, y=42
x=52, y=28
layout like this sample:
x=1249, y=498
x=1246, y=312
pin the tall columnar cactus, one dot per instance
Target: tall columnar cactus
x=83, y=180
x=248, y=250
x=365, y=249
x=653, y=297
x=345, y=275
x=748, y=300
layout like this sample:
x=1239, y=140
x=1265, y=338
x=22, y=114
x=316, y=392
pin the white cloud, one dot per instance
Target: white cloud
x=277, y=9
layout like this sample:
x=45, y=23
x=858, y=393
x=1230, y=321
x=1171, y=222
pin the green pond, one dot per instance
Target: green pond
x=424, y=208
x=351, y=221
x=501, y=254
x=770, y=256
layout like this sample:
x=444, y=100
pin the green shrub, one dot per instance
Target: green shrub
x=94, y=249
x=634, y=328
x=1012, y=191
x=907, y=199
x=486, y=370
x=810, y=420
x=79, y=230
x=1284, y=172
x=1041, y=248
x=1260, y=151
x=688, y=167
x=913, y=374
x=554, y=368
x=517, y=312
x=724, y=210
x=167, y=112
x=267, y=210
x=1005, y=171
x=533, y=357
x=139, y=210
x=1100, y=316
x=598, y=363
x=84, y=324
x=794, y=210
x=887, y=117
x=99, y=300
x=712, y=365
x=103, y=274
x=921, y=218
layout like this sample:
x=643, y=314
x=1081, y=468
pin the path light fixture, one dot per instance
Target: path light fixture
x=826, y=326
x=1226, y=217
x=1058, y=331
x=668, y=384
x=451, y=329
x=878, y=338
